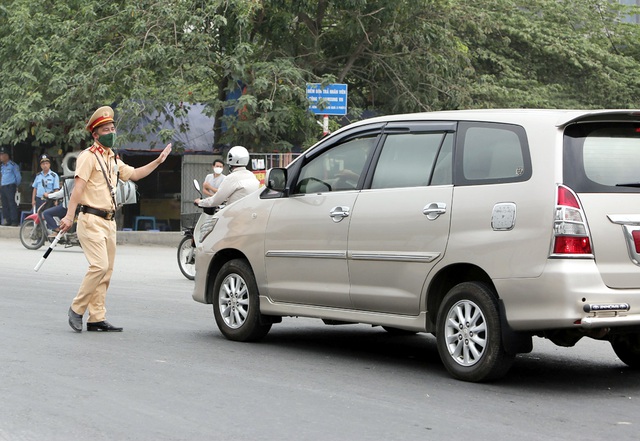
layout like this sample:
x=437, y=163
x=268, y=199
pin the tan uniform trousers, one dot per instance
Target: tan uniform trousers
x=98, y=239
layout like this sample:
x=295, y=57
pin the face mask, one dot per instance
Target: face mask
x=217, y=170
x=108, y=140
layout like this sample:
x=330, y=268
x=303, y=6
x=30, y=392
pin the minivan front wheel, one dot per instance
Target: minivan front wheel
x=236, y=304
x=468, y=334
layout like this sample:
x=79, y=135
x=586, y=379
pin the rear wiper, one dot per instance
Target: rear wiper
x=629, y=184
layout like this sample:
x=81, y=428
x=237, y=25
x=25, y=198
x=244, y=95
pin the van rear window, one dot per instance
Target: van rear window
x=603, y=157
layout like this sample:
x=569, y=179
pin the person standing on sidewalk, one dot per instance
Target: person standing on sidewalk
x=96, y=177
x=8, y=186
x=47, y=181
x=213, y=180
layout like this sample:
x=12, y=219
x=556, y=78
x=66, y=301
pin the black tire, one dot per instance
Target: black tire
x=186, y=257
x=627, y=348
x=236, y=305
x=469, y=335
x=32, y=235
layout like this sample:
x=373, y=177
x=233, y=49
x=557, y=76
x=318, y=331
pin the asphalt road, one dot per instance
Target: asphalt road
x=172, y=376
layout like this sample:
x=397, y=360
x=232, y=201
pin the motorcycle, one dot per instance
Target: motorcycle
x=34, y=233
x=187, y=246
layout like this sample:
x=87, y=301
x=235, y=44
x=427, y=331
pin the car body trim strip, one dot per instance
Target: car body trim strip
x=613, y=321
x=624, y=219
x=308, y=254
x=414, y=257
x=389, y=257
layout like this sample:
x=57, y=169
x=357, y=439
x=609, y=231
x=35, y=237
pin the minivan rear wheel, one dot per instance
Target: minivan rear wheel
x=469, y=336
x=627, y=348
x=236, y=304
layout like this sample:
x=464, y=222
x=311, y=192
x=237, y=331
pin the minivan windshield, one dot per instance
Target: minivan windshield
x=602, y=157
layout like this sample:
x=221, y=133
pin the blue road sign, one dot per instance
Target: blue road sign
x=329, y=100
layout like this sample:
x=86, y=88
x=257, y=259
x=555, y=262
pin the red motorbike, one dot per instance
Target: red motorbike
x=34, y=233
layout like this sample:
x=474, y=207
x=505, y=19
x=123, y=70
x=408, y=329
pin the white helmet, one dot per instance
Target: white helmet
x=238, y=156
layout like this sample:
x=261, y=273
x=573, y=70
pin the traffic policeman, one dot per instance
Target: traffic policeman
x=8, y=186
x=96, y=177
x=47, y=181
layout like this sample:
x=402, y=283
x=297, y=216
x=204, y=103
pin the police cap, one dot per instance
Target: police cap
x=44, y=158
x=101, y=116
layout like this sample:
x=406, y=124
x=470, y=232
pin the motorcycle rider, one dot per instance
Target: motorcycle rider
x=239, y=183
x=61, y=209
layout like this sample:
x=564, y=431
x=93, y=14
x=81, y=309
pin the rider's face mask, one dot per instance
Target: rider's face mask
x=108, y=140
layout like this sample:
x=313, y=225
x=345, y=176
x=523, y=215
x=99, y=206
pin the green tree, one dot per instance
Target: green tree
x=60, y=59
x=395, y=57
x=548, y=53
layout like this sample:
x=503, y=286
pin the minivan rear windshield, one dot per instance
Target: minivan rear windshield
x=602, y=157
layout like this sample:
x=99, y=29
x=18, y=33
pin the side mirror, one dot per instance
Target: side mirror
x=196, y=184
x=277, y=179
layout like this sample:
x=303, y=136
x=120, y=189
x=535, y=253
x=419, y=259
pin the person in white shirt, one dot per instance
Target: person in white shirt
x=239, y=183
x=213, y=180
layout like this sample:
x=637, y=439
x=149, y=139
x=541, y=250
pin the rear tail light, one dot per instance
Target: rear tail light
x=635, y=234
x=570, y=230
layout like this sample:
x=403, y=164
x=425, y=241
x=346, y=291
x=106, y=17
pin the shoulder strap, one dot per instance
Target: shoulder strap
x=111, y=190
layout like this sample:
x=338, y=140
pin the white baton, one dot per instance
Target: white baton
x=46, y=253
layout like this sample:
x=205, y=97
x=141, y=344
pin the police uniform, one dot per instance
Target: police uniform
x=8, y=186
x=96, y=221
x=44, y=183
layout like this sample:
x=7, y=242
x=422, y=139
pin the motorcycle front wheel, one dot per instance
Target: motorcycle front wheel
x=32, y=235
x=186, y=258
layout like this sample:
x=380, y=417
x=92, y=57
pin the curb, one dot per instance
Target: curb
x=163, y=238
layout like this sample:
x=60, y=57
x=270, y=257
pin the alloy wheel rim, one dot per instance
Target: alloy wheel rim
x=233, y=301
x=466, y=333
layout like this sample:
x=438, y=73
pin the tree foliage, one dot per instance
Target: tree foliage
x=249, y=60
x=550, y=54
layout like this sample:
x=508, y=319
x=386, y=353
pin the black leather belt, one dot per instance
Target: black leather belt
x=108, y=215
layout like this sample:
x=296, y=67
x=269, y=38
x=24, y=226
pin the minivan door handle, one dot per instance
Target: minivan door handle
x=434, y=210
x=339, y=213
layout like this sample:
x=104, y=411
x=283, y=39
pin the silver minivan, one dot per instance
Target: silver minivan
x=482, y=227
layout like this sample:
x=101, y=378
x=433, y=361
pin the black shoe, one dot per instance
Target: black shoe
x=75, y=320
x=103, y=326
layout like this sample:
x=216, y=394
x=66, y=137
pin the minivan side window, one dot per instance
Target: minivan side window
x=409, y=160
x=337, y=169
x=492, y=153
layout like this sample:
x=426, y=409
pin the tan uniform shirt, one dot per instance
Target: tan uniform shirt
x=89, y=168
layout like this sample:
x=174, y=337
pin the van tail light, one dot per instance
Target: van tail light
x=570, y=231
x=635, y=234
